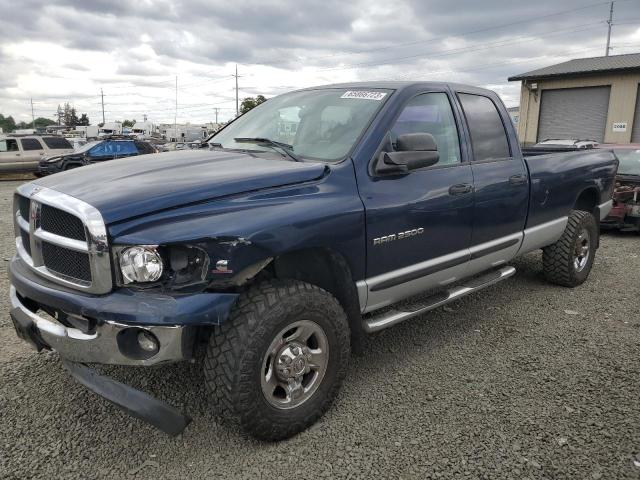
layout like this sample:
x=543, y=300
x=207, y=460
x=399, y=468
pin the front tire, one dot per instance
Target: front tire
x=568, y=262
x=277, y=364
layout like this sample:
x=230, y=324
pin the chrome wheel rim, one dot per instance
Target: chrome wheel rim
x=582, y=250
x=295, y=364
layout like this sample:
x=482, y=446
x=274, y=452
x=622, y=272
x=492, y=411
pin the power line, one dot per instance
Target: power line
x=609, y=23
x=471, y=48
x=236, y=77
x=438, y=38
x=102, y=97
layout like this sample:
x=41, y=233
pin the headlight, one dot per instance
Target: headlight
x=140, y=264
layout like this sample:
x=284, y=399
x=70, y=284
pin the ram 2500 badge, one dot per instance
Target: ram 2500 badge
x=293, y=236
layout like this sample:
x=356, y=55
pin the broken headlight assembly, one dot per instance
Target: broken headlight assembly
x=171, y=266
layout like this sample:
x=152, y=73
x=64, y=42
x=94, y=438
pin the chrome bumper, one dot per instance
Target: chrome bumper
x=104, y=345
x=605, y=208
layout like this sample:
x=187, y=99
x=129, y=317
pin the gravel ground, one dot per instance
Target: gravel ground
x=522, y=380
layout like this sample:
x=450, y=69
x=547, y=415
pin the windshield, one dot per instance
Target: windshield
x=318, y=124
x=87, y=146
x=629, y=161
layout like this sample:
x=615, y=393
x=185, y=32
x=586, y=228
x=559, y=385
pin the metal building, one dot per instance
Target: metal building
x=586, y=98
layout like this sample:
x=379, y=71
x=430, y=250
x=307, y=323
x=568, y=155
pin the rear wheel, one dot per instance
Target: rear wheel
x=568, y=262
x=278, y=362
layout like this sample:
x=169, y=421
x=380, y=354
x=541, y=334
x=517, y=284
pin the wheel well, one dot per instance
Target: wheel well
x=587, y=201
x=328, y=270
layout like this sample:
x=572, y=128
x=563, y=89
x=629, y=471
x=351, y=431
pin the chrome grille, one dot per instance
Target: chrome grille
x=61, y=223
x=26, y=241
x=67, y=263
x=23, y=205
x=62, y=239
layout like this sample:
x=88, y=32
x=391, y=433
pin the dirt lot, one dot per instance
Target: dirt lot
x=522, y=380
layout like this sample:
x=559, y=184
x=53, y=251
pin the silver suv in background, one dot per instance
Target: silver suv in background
x=23, y=153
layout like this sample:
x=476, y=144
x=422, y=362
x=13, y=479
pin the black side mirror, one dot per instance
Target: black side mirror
x=413, y=151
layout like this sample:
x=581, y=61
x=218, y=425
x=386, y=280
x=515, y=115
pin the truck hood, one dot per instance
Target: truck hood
x=128, y=187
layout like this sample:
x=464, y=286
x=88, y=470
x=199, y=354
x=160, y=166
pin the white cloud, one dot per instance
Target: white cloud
x=69, y=50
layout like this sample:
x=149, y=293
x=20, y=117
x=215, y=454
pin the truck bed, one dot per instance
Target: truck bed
x=557, y=180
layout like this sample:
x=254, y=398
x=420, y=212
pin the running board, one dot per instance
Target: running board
x=397, y=315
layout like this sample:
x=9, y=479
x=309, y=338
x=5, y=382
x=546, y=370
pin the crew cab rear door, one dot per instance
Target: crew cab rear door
x=418, y=224
x=500, y=178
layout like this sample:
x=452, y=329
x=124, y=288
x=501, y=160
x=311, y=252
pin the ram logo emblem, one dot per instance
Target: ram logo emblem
x=398, y=236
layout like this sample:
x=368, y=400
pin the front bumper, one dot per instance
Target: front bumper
x=45, y=168
x=108, y=342
x=104, y=328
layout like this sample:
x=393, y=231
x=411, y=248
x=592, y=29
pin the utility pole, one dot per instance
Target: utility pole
x=237, y=107
x=175, y=117
x=216, y=110
x=609, y=22
x=102, y=96
x=33, y=117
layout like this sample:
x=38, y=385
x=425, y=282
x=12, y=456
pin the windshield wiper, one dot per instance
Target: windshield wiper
x=284, y=147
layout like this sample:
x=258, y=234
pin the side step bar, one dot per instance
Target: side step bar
x=397, y=315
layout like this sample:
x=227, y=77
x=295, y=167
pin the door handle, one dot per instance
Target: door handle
x=517, y=179
x=460, y=189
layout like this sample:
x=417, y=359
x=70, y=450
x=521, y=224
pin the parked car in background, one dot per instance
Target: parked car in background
x=22, y=153
x=173, y=146
x=625, y=213
x=93, y=152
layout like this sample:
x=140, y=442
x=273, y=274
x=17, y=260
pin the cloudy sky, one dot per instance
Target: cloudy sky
x=68, y=50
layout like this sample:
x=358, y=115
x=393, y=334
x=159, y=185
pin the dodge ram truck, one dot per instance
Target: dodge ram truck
x=318, y=217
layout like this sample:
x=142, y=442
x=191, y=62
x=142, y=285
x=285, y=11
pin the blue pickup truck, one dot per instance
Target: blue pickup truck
x=316, y=218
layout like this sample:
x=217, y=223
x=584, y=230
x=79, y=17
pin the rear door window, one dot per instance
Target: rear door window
x=144, y=147
x=30, y=144
x=57, y=143
x=125, y=148
x=488, y=136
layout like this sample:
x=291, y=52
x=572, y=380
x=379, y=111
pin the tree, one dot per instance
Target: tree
x=250, y=102
x=84, y=120
x=128, y=123
x=42, y=122
x=8, y=124
x=73, y=118
x=60, y=115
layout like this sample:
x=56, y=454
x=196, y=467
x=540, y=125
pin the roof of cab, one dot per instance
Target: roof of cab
x=401, y=85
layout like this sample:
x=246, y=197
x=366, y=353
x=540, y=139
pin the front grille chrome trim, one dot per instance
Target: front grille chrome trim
x=70, y=243
x=96, y=246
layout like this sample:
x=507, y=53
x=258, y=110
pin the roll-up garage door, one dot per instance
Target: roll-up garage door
x=579, y=113
x=635, y=131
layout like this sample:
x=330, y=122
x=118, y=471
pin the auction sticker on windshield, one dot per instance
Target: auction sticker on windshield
x=364, y=95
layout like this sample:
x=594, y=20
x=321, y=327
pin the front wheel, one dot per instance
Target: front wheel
x=278, y=362
x=568, y=262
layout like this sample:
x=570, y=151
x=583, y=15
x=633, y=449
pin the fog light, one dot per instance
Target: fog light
x=147, y=341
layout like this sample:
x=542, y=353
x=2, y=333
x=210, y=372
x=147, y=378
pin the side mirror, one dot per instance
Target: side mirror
x=414, y=151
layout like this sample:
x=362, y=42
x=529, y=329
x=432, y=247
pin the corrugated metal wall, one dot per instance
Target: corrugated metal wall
x=579, y=113
x=635, y=132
